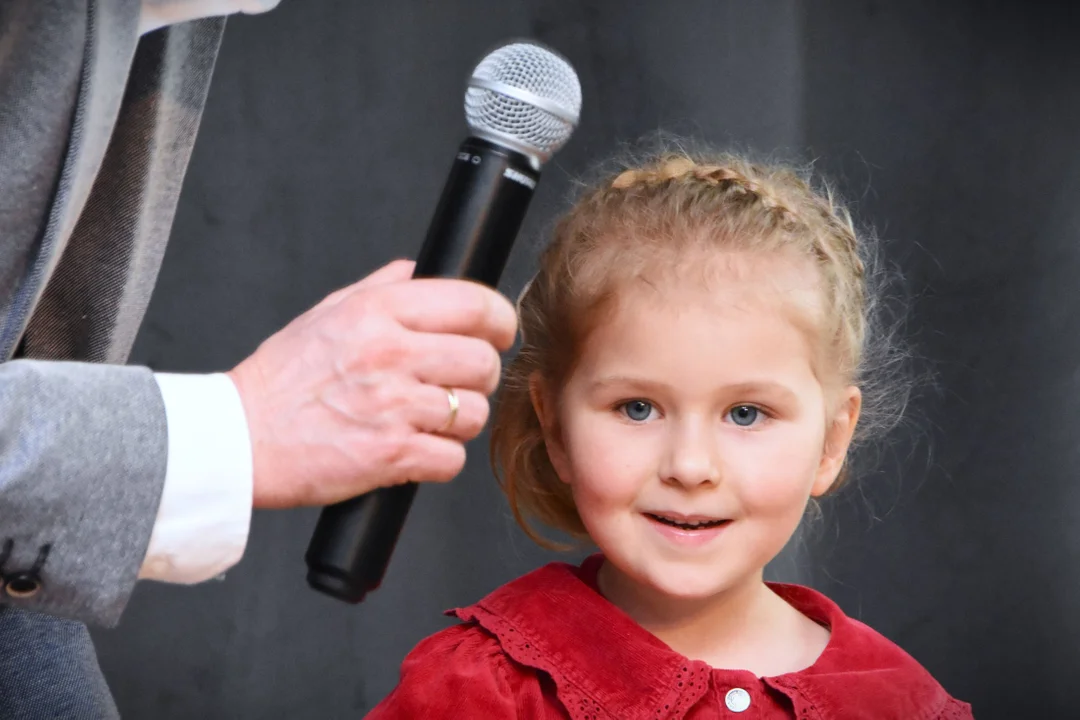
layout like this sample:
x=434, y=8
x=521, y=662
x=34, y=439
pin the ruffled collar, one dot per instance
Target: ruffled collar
x=555, y=620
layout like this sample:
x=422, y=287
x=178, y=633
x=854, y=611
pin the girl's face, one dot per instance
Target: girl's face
x=694, y=429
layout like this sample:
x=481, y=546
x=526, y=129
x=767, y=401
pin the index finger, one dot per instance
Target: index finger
x=450, y=305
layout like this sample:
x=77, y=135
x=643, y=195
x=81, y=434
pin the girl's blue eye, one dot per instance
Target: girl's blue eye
x=744, y=415
x=638, y=410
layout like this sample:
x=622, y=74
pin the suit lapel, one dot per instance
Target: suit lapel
x=98, y=293
x=110, y=37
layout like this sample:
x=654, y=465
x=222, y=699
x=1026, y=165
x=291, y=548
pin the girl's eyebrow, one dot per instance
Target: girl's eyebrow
x=773, y=389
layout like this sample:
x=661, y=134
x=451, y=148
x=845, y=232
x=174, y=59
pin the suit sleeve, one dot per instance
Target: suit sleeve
x=462, y=673
x=83, y=453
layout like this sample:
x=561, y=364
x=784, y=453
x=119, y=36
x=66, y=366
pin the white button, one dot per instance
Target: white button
x=737, y=700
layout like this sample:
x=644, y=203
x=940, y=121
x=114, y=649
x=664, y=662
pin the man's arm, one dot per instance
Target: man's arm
x=109, y=473
x=83, y=457
x=126, y=475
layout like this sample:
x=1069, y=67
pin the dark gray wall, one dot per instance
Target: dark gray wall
x=329, y=130
x=956, y=124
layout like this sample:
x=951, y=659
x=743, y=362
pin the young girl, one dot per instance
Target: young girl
x=692, y=373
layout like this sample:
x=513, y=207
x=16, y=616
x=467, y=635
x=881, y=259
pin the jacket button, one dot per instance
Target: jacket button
x=737, y=700
x=22, y=585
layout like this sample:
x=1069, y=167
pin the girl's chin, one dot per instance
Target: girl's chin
x=685, y=584
x=690, y=593
x=680, y=580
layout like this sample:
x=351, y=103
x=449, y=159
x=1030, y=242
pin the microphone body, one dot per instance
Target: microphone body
x=471, y=234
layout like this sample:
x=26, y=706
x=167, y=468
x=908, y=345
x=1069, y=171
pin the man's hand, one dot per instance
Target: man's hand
x=350, y=396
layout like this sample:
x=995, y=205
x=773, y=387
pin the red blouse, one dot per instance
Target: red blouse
x=548, y=645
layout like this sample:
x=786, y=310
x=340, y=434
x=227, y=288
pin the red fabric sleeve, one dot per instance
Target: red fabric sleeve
x=462, y=672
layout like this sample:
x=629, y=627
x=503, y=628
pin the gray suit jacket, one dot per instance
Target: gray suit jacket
x=96, y=129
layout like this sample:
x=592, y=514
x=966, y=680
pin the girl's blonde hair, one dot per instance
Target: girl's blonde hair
x=646, y=217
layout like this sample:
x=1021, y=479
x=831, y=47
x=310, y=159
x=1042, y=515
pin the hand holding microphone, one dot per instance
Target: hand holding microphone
x=350, y=396
x=522, y=104
x=381, y=384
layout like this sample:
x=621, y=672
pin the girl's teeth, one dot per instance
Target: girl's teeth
x=687, y=525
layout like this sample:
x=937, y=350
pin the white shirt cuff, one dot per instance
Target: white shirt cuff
x=205, y=512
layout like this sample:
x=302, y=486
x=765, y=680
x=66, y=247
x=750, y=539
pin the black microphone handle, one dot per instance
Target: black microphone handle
x=470, y=236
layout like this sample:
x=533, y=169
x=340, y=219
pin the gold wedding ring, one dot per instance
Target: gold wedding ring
x=452, y=398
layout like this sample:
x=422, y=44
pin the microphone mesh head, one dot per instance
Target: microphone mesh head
x=526, y=96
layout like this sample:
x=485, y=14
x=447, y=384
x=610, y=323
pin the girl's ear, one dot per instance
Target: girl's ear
x=545, y=405
x=838, y=434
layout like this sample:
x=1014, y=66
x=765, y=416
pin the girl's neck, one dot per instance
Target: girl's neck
x=746, y=627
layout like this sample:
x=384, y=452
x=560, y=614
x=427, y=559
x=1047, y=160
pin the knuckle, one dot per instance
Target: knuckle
x=383, y=348
x=478, y=418
x=475, y=305
x=496, y=373
x=495, y=363
x=479, y=365
x=507, y=318
x=453, y=464
x=372, y=307
x=389, y=398
x=361, y=304
x=333, y=298
x=488, y=366
x=394, y=451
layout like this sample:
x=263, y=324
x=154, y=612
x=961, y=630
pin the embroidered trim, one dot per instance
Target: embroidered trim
x=806, y=710
x=955, y=710
x=578, y=702
x=802, y=705
x=691, y=683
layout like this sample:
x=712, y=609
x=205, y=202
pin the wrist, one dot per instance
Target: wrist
x=240, y=376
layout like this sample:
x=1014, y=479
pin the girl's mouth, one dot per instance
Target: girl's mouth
x=686, y=531
x=686, y=524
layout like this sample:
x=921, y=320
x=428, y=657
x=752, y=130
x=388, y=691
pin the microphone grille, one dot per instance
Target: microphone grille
x=526, y=96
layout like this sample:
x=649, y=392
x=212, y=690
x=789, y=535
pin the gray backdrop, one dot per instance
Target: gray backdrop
x=329, y=130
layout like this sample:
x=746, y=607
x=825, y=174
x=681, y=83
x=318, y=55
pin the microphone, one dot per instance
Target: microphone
x=522, y=104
